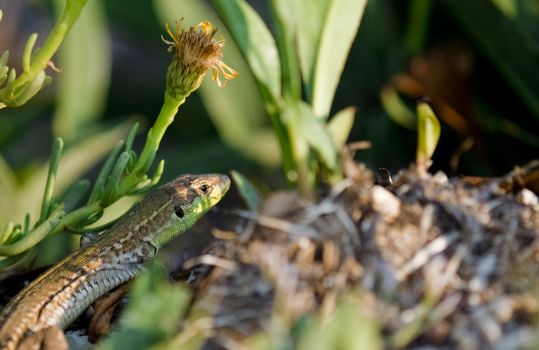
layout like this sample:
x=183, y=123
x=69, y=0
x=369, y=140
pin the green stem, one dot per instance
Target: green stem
x=153, y=139
x=33, y=237
x=52, y=43
x=77, y=216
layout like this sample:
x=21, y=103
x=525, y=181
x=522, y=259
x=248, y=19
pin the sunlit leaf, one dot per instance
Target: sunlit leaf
x=318, y=137
x=396, y=108
x=340, y=125
x=247, y=190
x=341, y=22
x=85, y=60
x=428, y=133
x=254, y=40
x=285, y=35
x=310, y=18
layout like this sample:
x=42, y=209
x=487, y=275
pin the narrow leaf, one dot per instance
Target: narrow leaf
x=341, y=26
x=74, y=196
x=131, y=137
x=318, y=137
x=115, y=178
x=99, y=185
x=340, y=125
x=247, y=191
x=76, y=161
x=310, y=17
x=33, y=237
x=285, y=34
x=56, y=153
x=428, y=133
x=255, y=42
x=27, y=53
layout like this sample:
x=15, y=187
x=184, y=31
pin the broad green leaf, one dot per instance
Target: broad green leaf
x=85, y=60
x=509, y=48
x=255, y=42
x=428, y=133
x=310, y=18
x=314, y=131
x=247, y=190
x=237, y=110
x=153, y=313
x=340, y=125
x=339, y=31
x=285, y=34
x=348, y=329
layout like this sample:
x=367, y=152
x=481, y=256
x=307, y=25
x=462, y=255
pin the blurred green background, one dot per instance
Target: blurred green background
x=477, y=60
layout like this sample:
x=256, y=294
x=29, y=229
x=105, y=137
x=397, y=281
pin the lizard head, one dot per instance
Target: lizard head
x=190, y=197
x=194, y=195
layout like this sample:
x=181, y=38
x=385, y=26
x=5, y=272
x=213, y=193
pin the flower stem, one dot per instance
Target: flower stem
x=153, y=139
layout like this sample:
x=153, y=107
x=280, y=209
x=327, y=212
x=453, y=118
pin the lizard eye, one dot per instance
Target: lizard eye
x=204, y=188
x=179, y=211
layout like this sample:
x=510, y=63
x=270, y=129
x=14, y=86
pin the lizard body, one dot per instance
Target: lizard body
x=63, y=292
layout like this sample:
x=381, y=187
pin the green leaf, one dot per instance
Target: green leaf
x=8, y=188
x=310, y=18
x=255, y=42
x=76, y=160
x=247, y=191
x=340, y=125
x=314, y=131
x=509, y=48
x=428, y=133
x=46, y=204
x=348, y=329
x=285, y=34
x=99, y=184
x=341, y=26
x=85, y=58
x=326, y=31
x=396, y=109
x=153, y=313
x=118, y=171
x=75, y=194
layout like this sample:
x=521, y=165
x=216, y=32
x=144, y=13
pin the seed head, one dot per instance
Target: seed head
x=195, y=51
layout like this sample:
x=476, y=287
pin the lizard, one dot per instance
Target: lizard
x=105, y=260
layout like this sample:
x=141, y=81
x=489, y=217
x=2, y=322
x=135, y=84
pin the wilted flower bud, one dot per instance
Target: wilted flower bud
x=195, y=53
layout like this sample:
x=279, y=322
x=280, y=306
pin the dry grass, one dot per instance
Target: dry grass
x=438, y=263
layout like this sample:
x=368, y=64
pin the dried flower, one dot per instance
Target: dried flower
x=195, y=52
